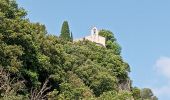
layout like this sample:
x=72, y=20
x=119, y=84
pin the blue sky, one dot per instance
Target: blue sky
x=142, y=28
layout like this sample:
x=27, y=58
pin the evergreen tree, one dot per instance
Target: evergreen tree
x=71, y=36
x=65, y=31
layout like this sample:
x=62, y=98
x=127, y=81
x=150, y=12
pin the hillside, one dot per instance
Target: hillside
x=35, y=65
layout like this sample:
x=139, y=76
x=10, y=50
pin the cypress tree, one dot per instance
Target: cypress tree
x=65, y=31
x=71, y=36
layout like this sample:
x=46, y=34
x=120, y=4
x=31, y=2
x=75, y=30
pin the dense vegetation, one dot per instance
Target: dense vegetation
x=35, y=65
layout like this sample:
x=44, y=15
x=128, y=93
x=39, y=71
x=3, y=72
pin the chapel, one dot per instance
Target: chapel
x=95, y=37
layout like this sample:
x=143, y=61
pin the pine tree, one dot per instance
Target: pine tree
x=65, y=31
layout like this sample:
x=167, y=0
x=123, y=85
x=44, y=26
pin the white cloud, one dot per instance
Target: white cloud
x=163, y=66
x=162, y=91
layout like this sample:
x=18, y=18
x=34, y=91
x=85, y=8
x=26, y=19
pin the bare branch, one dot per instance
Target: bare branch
x=9, y=85
x=40, y=94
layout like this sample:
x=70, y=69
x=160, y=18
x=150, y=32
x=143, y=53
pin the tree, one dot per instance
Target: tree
x=65, y=32
x=113, y=95
x=71, y=36
x=136, y=93
x=110, y=41
x=9, y=86
x=40, y=94
x=107, y=34
x=154, y=98
x=146, y=93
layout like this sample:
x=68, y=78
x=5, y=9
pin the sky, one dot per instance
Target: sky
x=142, y=28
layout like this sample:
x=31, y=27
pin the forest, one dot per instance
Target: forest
x=36, y=65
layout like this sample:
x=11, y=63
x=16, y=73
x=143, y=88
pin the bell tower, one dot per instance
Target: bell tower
x=94, y=31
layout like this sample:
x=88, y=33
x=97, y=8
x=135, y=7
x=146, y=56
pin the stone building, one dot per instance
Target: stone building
x=95, y=37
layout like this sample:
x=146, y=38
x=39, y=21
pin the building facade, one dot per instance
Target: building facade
x=95, y=37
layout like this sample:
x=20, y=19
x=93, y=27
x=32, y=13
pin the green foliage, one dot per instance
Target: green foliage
x=65, y=32
x=146, y=93
x=74, y=88
x=112, y=95
x=110, y=41
x=136, y=93
x=143, y=94
x=71, y=36
x=76, y=70
x=99, y=79
x=107, y=34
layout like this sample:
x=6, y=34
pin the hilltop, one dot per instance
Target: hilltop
x=35, y=65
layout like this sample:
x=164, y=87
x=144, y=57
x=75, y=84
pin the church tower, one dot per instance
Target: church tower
x=94, y=31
